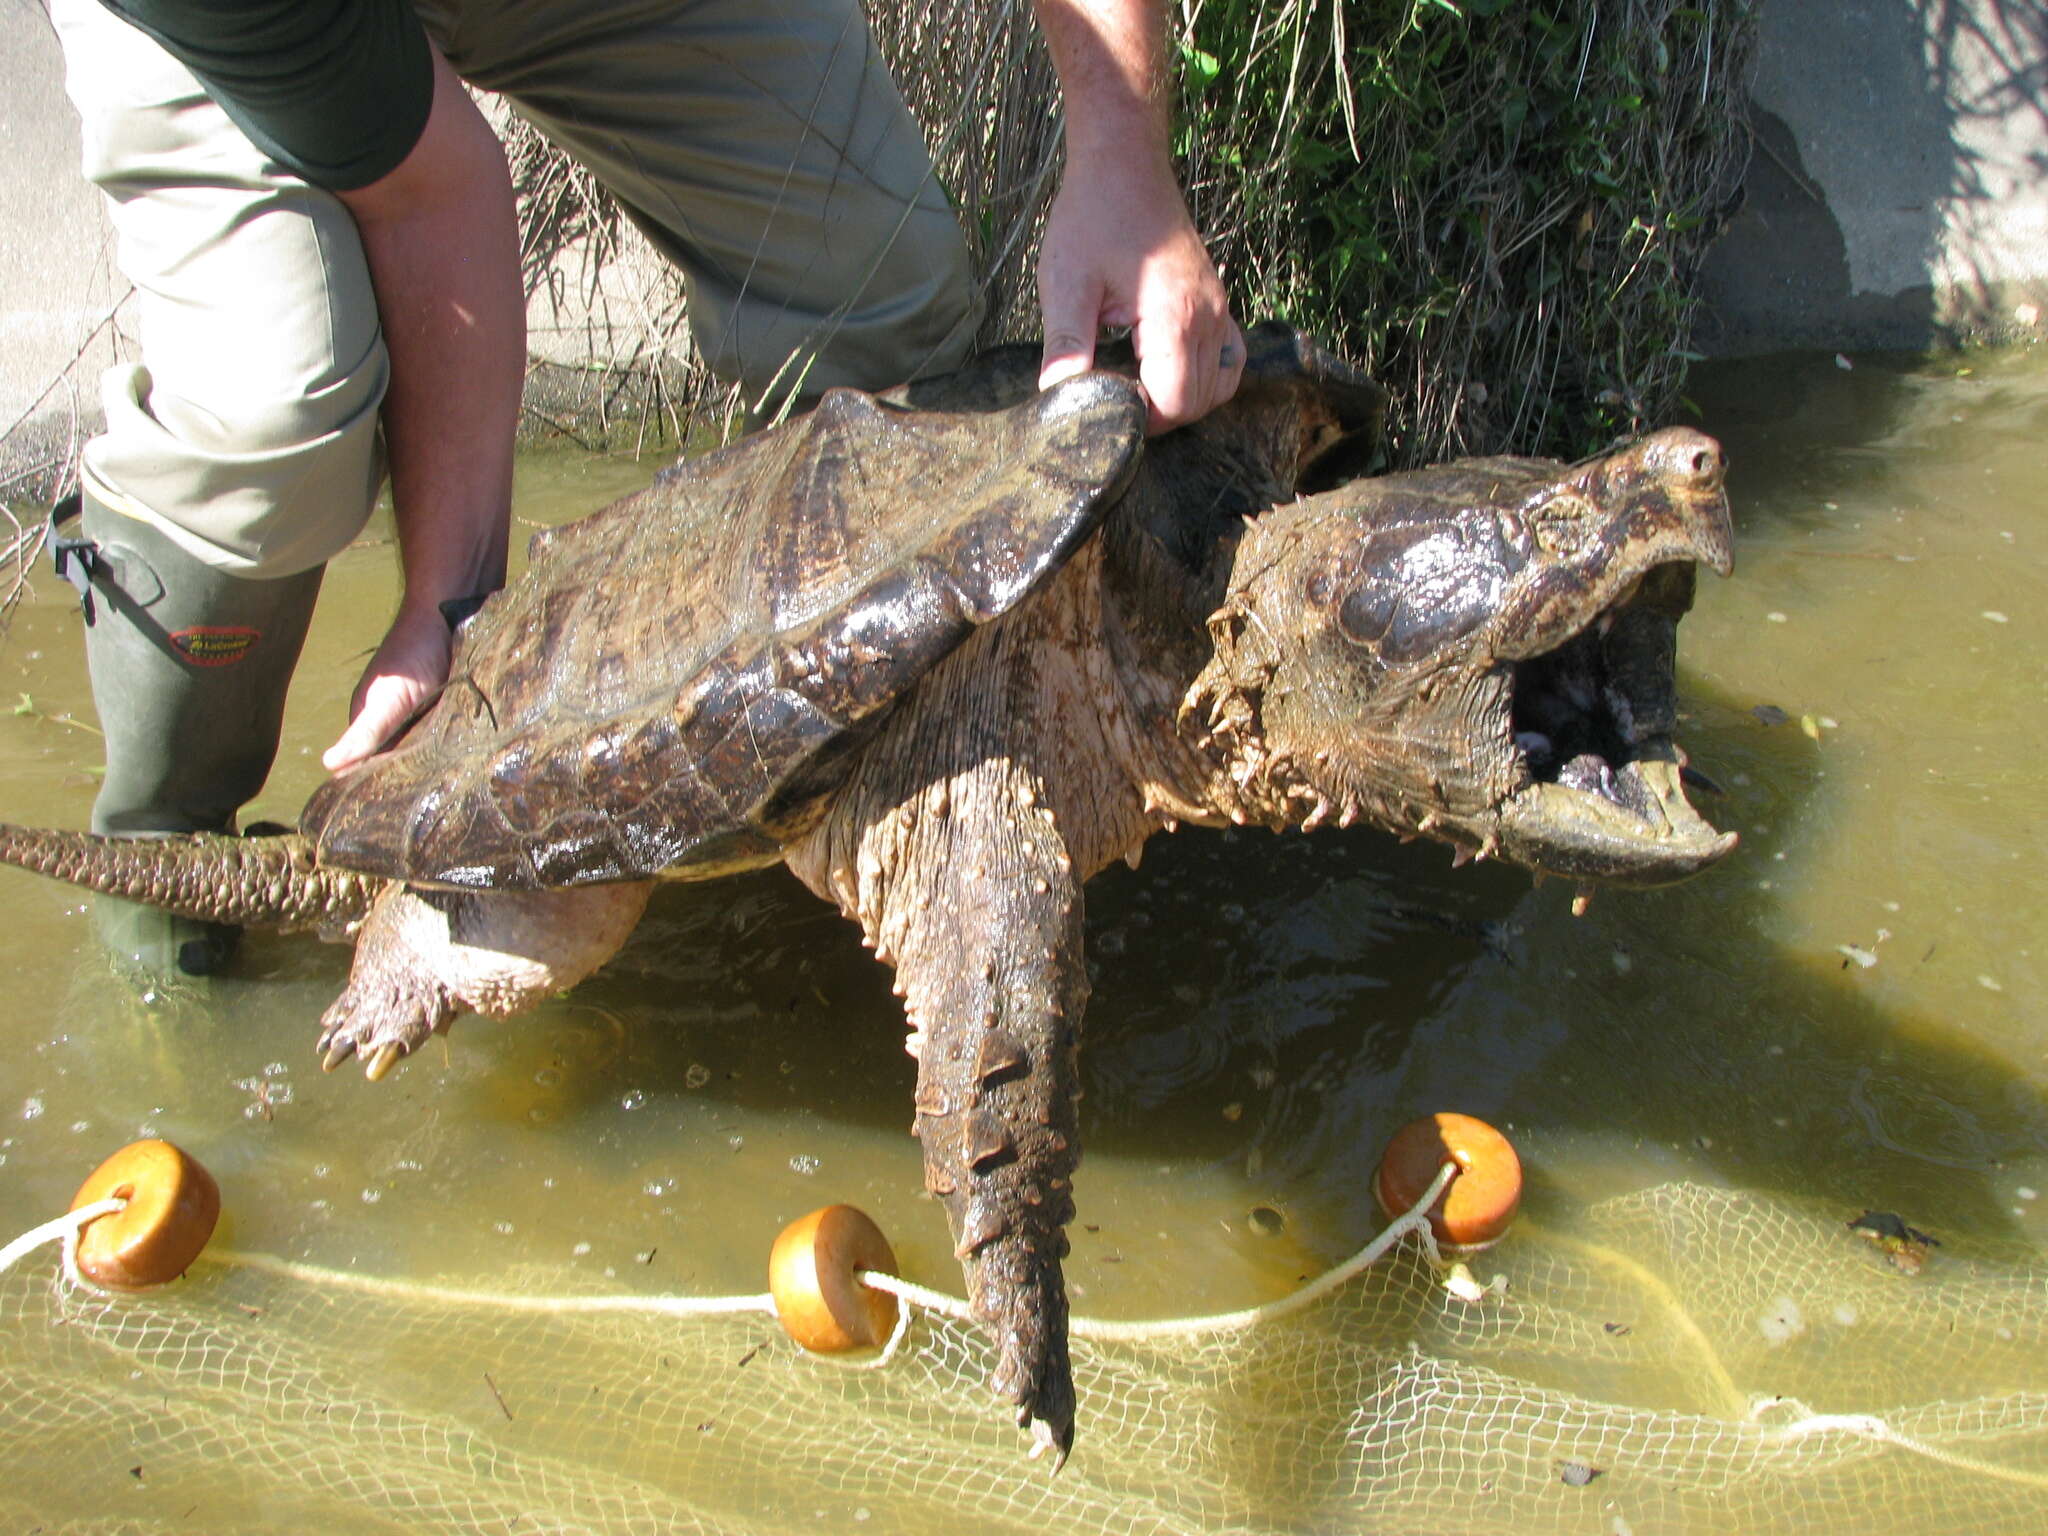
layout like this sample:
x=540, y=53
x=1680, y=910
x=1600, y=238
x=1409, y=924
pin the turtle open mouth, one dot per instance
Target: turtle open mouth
x=1592, y=725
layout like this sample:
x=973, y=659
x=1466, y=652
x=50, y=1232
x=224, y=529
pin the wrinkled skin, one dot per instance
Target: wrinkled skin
x=1480, y=654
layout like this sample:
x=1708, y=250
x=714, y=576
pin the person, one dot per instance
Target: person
x=319, y=224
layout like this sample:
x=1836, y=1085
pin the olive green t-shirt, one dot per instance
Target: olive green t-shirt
x=336, y=90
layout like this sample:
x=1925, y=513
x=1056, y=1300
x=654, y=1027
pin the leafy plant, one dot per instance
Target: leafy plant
x=1499, y=206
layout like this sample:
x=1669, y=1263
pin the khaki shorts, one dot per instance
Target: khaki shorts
x=759, y=143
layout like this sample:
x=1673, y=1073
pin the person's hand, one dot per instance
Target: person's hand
x=408, y=669
x=1120, y=250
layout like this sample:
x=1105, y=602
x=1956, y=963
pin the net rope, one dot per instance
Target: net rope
x=1674, y=1364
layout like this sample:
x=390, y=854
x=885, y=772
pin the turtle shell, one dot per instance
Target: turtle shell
x=678, y=680
x=1321, y=418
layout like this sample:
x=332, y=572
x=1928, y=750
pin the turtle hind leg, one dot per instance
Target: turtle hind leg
x=382, y=1017
x=425, y=956
x=393, y=1003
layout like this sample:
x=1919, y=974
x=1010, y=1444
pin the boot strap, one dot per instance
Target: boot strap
x=75, y=558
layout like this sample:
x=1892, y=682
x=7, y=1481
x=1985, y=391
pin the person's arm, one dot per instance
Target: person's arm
x=443, y=248
x=1119, y=246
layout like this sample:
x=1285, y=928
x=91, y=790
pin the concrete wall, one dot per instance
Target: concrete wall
x=1898, y=198
x=1899, y=192
x=58, y=287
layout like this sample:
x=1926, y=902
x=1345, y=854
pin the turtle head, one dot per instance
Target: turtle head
x=1480, y=653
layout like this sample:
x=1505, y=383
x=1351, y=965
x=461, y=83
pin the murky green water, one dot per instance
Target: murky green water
x=1847, y=1014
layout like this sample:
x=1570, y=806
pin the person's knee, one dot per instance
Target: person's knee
x=260, y=482
x=912, y=311
x=921, y=313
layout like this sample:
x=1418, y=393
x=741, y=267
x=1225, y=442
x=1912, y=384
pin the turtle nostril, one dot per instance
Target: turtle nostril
x=1689, y=457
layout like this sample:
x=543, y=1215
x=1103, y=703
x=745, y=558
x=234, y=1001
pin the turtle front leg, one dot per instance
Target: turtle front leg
x=967, y=888
x=423, y=957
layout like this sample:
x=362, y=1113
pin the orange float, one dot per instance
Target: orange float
x=813, y=1273
x=1480, y=1204
x=173, y=1204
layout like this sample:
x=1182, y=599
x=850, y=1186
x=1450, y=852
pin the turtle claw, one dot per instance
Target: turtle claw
x=1044, y=1438
x=381, y=1021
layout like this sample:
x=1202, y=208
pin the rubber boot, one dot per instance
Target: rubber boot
x=189, y=670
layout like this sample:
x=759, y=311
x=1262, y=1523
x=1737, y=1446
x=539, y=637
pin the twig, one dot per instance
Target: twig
x=498, y=1395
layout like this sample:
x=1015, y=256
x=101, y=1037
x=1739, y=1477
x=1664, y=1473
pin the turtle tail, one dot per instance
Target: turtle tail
x=255, y=882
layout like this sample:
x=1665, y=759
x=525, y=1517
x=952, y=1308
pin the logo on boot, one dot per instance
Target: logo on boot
x=214, y=645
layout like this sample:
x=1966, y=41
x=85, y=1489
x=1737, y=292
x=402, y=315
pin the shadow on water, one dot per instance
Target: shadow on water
x=1277, y=1006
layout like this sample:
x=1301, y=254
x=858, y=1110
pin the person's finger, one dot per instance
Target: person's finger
x=1180, y=362
x=1216, y=364
x=1231, y=358
x=387, y=703
x=355, y=744
x=1072, y=312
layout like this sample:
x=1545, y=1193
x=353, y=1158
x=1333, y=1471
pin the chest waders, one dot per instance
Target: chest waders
x=189, y=670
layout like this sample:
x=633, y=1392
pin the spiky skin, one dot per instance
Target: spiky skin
x=1217, y=653
x=257, y=882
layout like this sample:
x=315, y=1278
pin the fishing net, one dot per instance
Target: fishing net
x=259, y=1395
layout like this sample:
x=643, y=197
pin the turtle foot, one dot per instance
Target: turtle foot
x=382, y=1019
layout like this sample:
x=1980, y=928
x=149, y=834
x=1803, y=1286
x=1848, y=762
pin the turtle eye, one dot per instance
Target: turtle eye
x=1558, y=524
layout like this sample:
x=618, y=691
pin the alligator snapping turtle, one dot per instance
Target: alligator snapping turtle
x=947, y=665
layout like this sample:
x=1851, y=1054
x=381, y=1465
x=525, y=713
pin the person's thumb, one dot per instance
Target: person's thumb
x=1071, y=316
x=387, y=703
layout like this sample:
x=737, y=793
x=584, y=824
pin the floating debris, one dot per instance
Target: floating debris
x=1785, y=1321
x=1459, y=1280
x=1856, y=954
x=1770, y=714
x=1905, y=1246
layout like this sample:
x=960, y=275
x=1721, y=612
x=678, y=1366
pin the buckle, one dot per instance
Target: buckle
x=75, y=559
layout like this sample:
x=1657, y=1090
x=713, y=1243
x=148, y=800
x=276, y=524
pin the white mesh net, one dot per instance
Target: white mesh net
x=257, y=1396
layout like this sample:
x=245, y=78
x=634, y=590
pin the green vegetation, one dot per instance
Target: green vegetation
x=1498, y=205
